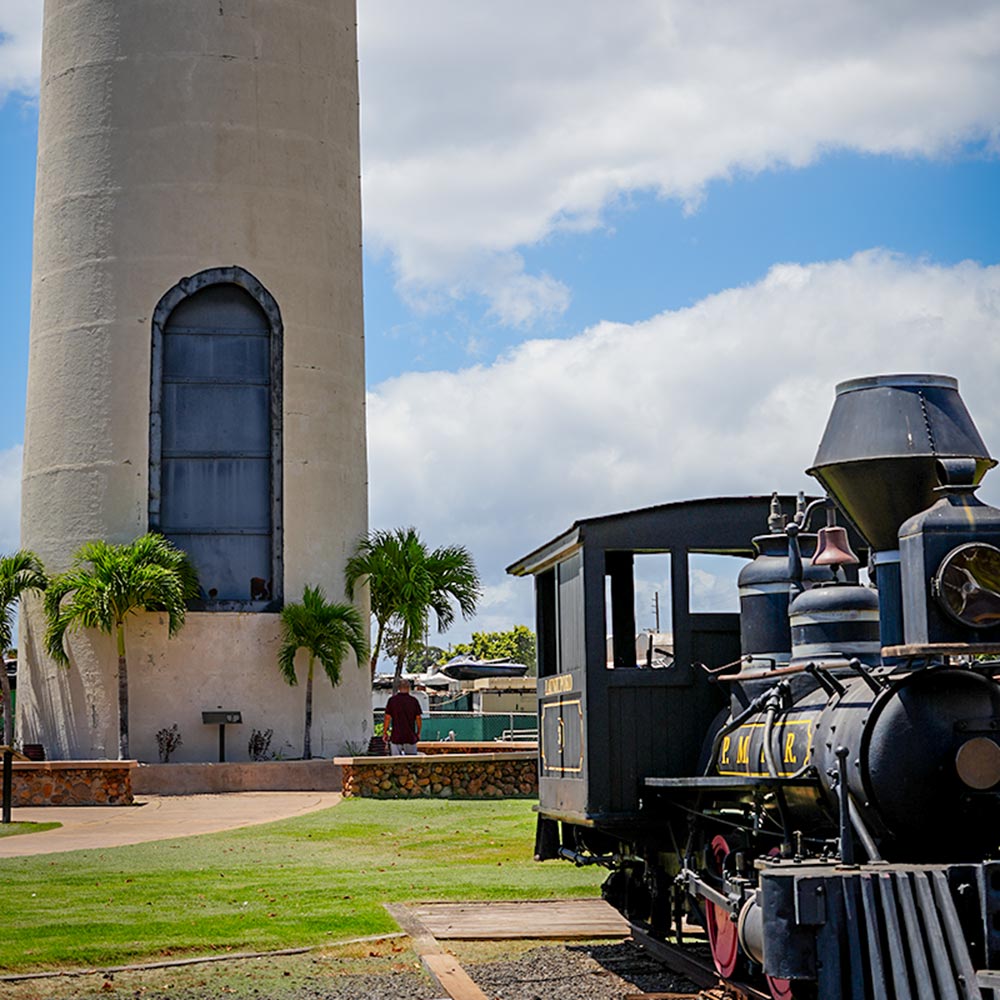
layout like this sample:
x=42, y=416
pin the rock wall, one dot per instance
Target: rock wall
x=442, y=776
x=72, y=783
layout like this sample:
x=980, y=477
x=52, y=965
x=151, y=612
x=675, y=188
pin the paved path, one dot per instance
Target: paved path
x=155, y=817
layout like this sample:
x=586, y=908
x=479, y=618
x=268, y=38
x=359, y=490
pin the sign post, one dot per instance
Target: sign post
x=222, y=718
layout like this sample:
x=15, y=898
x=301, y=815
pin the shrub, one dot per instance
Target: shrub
x=167, y=741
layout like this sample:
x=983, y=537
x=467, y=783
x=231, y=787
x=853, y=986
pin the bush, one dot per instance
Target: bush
x=167, y=741
x=259, y=746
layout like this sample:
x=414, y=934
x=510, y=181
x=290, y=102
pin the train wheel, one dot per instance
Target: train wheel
x=722, y=934
x=781, y=989
x=791, y=989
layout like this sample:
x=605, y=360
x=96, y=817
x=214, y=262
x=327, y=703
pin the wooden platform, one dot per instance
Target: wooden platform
x=495, y=921
x=563, y=919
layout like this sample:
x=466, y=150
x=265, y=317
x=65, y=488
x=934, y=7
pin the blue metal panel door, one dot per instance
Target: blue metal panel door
x=216, y=462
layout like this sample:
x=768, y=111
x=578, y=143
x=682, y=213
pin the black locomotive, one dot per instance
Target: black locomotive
x=814, y=781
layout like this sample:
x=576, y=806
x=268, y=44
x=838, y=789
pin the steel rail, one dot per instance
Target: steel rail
x=701, y=972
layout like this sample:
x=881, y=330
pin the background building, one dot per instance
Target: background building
x=197, y=356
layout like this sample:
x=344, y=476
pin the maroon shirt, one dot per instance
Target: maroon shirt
x=403, y=709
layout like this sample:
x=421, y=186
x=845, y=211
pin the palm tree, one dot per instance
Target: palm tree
x=407, y=582
x=19, y=573
x=326, y=632
x=378, y=558
x=105, y=585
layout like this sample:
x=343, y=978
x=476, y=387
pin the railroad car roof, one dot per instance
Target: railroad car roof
x=709, y=524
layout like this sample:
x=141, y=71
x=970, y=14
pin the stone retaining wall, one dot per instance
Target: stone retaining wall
x=460, y=776
x=72, y=783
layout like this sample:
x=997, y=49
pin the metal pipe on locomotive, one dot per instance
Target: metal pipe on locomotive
x=815, y=782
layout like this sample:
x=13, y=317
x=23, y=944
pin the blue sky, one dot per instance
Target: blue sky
x=18, y=139
x=616, y=262
x=650, y=254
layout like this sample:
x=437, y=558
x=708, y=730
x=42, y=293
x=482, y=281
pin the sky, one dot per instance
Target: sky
x=620, y=255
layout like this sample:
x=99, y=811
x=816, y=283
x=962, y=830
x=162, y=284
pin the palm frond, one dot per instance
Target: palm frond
x=21, y=572
x=286, y=661
x=455, y=580
x=7, y=619
x=406, y=582
x=109, y=582
x=326, y=631
x=72, y=602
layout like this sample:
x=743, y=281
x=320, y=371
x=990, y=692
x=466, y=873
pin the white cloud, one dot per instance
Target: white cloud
x=20, y=46
x=489, y=126
x=10, y=499
x=729, y=396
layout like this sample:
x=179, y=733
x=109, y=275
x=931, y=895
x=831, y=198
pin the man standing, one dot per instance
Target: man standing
x=402, y=721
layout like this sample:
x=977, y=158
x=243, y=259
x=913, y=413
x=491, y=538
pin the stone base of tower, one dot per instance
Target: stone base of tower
x=218, y=661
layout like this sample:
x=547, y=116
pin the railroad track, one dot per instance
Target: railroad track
x=712, y=993
x=700, y=971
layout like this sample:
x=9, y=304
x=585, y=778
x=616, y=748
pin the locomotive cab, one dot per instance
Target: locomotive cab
x=608, y=722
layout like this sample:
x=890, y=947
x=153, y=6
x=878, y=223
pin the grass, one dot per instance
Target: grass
x=285, y=977
x=307, y=881
x=14, y=829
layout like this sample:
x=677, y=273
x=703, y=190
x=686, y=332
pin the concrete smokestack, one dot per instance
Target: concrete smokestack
x=197, y=356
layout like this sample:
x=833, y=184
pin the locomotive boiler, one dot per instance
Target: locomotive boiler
x=814, y=781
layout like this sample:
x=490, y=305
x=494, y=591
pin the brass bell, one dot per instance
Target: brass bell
x=833, y=548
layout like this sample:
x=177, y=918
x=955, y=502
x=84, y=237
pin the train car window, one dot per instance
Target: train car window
x=653, y=638
x=545, y=617
x=637, y=609
x=652, y=591
x=619, y=610
x=712, y=582
x=569, y=608
x=609, y=633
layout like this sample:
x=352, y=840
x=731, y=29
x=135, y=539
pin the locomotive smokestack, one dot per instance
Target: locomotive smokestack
x=878, y=453
x=878, y=457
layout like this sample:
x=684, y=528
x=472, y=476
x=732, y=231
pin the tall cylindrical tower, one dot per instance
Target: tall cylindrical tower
x=196, y=360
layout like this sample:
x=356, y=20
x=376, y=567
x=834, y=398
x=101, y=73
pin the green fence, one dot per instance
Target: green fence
x=475, y=726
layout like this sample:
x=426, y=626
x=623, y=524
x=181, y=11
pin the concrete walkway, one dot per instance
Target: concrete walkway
x=155, y=817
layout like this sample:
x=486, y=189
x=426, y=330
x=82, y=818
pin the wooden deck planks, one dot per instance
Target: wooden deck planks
x=495, y=921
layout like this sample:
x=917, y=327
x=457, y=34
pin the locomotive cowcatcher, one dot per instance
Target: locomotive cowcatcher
x=814, y=782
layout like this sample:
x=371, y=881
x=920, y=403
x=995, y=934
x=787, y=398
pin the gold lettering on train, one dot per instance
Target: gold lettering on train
x=793, y=739
x=559, y=684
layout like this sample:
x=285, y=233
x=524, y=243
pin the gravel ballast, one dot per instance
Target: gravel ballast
x=576, y=972
x=385, y=971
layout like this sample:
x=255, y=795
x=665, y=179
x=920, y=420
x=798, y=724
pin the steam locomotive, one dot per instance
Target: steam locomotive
x=814, y=781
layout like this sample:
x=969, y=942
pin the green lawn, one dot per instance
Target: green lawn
x=306, y=881
x=13, y=829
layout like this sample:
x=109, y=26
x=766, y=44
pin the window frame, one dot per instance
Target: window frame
x=186, y=287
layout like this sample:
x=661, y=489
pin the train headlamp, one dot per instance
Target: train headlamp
x=967, y=585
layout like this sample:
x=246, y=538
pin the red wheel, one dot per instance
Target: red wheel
x=722, y=935
x=781, y=989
